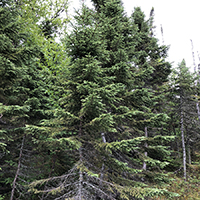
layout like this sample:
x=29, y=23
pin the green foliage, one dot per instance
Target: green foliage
x=149, y=56
x=25, y=92
x=100, y=98
x=82, y=112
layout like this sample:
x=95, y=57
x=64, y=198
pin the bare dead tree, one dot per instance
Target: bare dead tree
x=103, y=166
x=182, y=135
x=194, y=64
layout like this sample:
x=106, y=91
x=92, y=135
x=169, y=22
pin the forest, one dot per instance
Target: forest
x=91, y=107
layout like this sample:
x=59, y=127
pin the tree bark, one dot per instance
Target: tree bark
x=103, y=166
x=18, y=169
x=80, y=178
x=189, y=155
x=182, y=137
x=103, y=137
x=81, y=159
x=189, y=152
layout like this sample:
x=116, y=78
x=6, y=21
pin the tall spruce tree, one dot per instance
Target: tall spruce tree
x=13, y=54
x=102, y=113
x=86, y=110
x=24, y=99
x=148, y=53
x=183, y=96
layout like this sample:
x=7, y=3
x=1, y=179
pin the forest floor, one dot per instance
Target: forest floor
x=189, y=189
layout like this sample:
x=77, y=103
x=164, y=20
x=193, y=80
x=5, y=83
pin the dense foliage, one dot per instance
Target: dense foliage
x=95, y=112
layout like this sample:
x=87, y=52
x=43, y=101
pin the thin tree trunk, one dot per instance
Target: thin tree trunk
x=145, y=153
x=80, y=178
x=183, y=138
x=189, y=155
x=198, y=110
x=183, y=146
x=18, y=169
x=103, y=137
x=188, y=147
x=81, y=159
x=198, y=65
x=103, y=166
x=197, y=104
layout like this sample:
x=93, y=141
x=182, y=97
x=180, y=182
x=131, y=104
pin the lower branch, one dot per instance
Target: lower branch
x=18, y=169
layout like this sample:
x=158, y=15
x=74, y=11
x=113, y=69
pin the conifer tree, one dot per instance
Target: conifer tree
x=13, y=55
x=148, y=53
x=101, y=113
x=24, y=99
x=152, y=70
x=184, y=110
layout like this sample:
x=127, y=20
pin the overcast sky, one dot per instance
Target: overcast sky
x=180, y=22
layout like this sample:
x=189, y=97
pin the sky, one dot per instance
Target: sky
x=180, y=23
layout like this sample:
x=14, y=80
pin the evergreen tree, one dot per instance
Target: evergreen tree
x=87, y=117
x=102, y=114
x=149, y=56
x=184, y=110
x=25, y=99
x=13, y=55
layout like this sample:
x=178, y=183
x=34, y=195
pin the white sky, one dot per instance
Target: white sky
x=180, y=22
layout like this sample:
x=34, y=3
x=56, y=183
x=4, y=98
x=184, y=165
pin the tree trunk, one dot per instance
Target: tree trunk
x=183, y=138
x=18, y=169
x=81, y=160
x=197, y=104
x=189, y=152
x=103, y=137
x=102, y=168
x=189, y=155
x=198, y=66
x=145, y=153
x=80, y=178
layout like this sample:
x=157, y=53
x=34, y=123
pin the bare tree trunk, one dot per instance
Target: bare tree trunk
x=197, y=104
x=145, y=153
x=198, y=110
x=103, y=137
x=183, y=138
x=188, y=146
x=189, y=155
x=103, y=166
x=18, y=169
x=81, y=159
x=183, y=146
x=198, y=65
x=80, y=178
